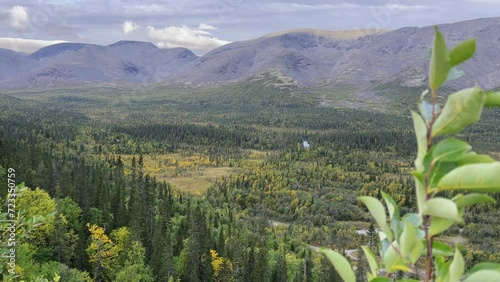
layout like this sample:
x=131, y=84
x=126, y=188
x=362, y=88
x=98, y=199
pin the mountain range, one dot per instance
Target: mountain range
x=305, y=57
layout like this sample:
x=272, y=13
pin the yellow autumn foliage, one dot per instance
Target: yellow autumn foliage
x=220, y=265
x=101, y=250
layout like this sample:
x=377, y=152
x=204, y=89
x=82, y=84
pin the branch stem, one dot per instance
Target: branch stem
x=427, y=218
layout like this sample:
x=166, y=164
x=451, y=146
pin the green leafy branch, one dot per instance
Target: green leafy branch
x=408, y=243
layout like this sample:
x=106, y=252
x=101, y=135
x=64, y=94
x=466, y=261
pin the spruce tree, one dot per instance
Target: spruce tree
x=362, y=266
x=280, y=274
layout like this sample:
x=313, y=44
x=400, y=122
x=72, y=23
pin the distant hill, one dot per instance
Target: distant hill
x=124, y=62
x=57, y=49
x=307, y=57
x=13, y=63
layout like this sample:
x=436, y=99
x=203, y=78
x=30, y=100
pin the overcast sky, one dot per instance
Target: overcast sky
x=202, y=25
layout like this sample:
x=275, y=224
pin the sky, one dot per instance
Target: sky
x=202, y=25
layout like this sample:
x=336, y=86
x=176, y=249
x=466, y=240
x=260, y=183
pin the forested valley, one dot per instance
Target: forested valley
x=240, y=182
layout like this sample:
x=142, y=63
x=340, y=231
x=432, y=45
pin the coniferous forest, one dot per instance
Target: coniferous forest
x=214, y=184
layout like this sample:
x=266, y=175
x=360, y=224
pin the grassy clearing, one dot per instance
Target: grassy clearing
x=201, y=182
x=193, y=173
x=191, y=185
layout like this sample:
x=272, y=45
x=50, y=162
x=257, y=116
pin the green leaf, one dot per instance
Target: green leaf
x=392, y=260
x=411, y=246
x=485, y=265
x=455, y=74
x=378, y=212
x=439, y=170
x=443, y=208
x=384, y=242
x=472, y=199
x=439, y=225
x=414, y=218
x=492, y=99
x=462, y=109
x=450, y=150
x=483, y=177
x=372, y=260
x=397, y=226
x=392, y=207
x=444, y=156
x=340, y=264
x=421, y=134
x=439, y=66
x=408, y=239
x=473, y=158
x=426, y=110
x=420, y=190
x=462, y=52
x=442, y=268
x=381, y=279
x=457, y=267
x=428, y=159
x=485, y=275
x=441, y=249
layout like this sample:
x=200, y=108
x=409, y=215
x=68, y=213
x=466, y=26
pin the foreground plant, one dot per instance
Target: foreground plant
x=408, y=243
x=16, y=228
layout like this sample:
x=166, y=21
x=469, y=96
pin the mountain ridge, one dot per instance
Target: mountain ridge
x=362, y=58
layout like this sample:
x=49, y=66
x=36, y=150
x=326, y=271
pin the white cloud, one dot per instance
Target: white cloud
x=183, y=36
x=19, y=18
x=130, y=26
x=402, y=7
x=205, y=26
x=25, y=45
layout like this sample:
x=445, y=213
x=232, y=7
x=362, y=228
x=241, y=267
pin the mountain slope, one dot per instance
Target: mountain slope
x=315, y=57
x=13, y=63
x=57, y=49
x=157, y=63
x=304, y=55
